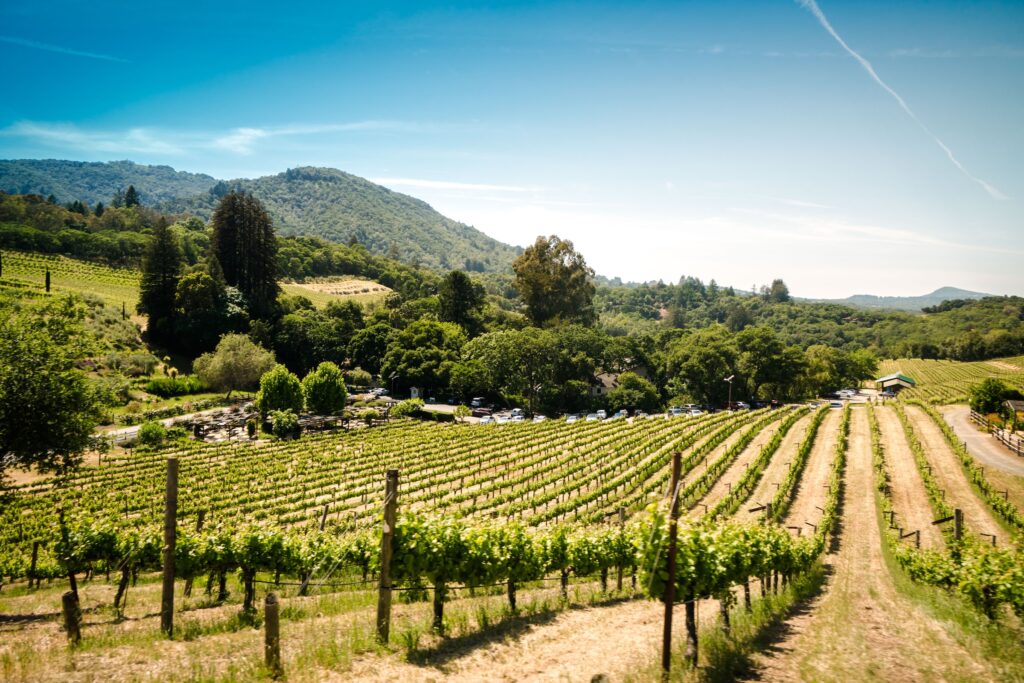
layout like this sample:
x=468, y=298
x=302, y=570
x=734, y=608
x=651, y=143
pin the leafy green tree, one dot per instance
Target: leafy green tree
x=325, y=390
x=700, y=362
x=244, y=244
x=202, y=315
x=279, y=390
x=158, y=286
x=520, y=362
x=635, y=393
x=469, y=378
x=987, y=397
x=47, y=409
x=422, y=354
x=778, y=292
x=461, y=301
x=461, y=412
x=555, y=283
x=368, y=346
x=237, y=363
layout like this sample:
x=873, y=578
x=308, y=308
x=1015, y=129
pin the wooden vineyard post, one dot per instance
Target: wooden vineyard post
x=32, y=567
x=72, y=617
x=958, y=524
x=622, y=522
x=200, y=518
x=670, y=585
x=170, y=529
x=272, y=635
x=323, y=517
x=384, y=586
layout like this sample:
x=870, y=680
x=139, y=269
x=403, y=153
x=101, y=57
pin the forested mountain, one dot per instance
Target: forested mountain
x=906, y=303
x=95, y=182
x=321, y=202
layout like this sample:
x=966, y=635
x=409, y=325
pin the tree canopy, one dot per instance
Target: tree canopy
x=236, y=363
x=48, y=411
x=555, y=283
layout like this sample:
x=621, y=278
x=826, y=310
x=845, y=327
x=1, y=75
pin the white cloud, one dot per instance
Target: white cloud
x=813, y=8
x=22, y=42
x=133, y=140
x=241, y=141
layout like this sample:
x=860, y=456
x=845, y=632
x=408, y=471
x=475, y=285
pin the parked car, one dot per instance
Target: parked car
x=517, y=412
x=601, y=414
x=674, y=411
x=621, y=414
x=486, y=420
x=537, y=419
x=481, y=412
x=694, y=412
x=569, y=419
x=640, y=414
x=477, y=402
x=593, y=417
x=517, y=418
x=835, y=404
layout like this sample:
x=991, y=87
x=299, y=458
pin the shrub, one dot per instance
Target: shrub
x=284, y=424
x=279, y=390
x=152, y=433
x=370, y=415
x=407, y=408
x=325, y=390
x=166, y=387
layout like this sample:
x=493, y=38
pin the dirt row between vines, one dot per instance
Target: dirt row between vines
x=860, y=628
x=775, y=472
x=950, y=475
x=909, y=497
x=811, y=486
x=735, y=471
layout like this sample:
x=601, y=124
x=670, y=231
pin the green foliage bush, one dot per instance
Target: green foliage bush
x=284, y=424
x=407, y=408
x=152, y=434
x=166, y=387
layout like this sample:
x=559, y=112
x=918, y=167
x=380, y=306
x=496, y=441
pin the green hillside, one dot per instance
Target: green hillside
x=321, y=202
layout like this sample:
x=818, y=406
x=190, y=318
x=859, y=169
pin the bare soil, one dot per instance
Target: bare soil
x=950, y=475
x=909, y=497
x=861, y=629
x=776, y=470
x=735, y=471
x=345, y=287
x=811, y=487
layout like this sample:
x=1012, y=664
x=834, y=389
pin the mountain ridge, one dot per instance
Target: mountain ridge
x=905, y=303
x=303, y=201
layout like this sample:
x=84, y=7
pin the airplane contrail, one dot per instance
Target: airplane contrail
x=813, y=8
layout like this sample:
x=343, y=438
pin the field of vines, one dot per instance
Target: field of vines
x=24, y=274
x=949, y=381
x=494, y=522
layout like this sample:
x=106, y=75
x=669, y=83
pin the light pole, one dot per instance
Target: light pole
x=729, y=379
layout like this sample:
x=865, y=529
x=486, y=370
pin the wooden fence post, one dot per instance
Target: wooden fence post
x=622, y=522
x=170, y=529
x=72, y=617
x=670, y=585
x=272, y=635
x=384, y=586
x=32, y=567
x=958, y=523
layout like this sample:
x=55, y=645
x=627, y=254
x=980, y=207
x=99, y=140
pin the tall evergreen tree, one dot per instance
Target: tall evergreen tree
x=131, y=197
x=244, y=244
x=161, y=267
x=117, y=201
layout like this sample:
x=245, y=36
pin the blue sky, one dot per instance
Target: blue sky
x=739, y=141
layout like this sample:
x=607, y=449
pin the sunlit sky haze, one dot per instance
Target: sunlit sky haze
x=847, y=147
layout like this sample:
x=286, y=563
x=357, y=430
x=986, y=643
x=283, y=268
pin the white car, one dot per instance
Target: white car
x=601, y=415
x=537, y=419
x=500, y=419
x=569, y=419
x=517, y=412
x=486, y=420
x=517, y=418
x=593, y=417
x=674, y=412
x=695, y=412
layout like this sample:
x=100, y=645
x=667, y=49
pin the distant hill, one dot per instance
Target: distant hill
x=904, y=303
x=321, y=202
x=98, y=181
